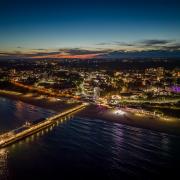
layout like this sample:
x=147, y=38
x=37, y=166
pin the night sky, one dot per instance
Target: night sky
x=88, y=29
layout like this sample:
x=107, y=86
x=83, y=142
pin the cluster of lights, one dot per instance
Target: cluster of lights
x=119, y=112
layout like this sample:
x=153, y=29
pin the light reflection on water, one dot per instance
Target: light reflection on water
x=95, y=147
x=14, y=114
x=4, y=173
x=3, y=163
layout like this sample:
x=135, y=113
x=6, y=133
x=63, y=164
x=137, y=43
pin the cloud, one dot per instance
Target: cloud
x=78, y=51
x=19, y=54
x=43, y=53
x=152, y=42
x=119, y=43
x=61, y=53
x=172, y=47
x=142, y=54
x=39, y=49
x=103, y=43
x=156, y=48
x=142, y=43
x=122, y=43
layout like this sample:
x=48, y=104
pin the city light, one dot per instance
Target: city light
x=119, y=112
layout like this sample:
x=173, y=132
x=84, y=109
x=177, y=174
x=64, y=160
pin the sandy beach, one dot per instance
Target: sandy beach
x=40, y=101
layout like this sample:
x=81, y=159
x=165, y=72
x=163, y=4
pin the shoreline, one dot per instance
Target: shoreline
x=149, y=123
x=93, y=112
x=39, y=101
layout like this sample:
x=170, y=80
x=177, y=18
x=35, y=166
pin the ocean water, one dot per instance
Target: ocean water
x=80, y=148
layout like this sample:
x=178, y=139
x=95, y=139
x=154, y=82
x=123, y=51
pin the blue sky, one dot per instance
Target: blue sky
x=29, y=27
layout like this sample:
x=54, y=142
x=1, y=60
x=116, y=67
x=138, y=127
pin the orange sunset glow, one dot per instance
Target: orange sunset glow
x=82, y=56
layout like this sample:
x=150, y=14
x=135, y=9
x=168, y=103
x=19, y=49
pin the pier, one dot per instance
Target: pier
x=28, y=129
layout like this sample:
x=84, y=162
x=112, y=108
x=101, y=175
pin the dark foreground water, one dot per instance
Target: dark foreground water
x=85, y=148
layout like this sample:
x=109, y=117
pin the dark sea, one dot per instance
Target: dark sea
x=80, y=148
